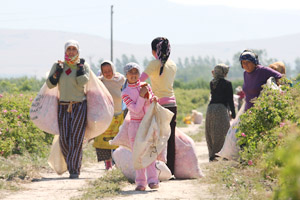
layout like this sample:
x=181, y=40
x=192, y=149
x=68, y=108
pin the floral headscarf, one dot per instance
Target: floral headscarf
x=163, y=52
x=220, y=72
x=72, y=61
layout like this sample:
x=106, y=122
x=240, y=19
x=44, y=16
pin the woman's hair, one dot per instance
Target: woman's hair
x=249, y=55
x=161, y=46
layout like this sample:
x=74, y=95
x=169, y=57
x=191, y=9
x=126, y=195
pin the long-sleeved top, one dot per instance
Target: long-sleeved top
x=71, y=87
x=136, y=104
x=162, y=85
x=254, y=80
x=114, y=86
x=223, y=93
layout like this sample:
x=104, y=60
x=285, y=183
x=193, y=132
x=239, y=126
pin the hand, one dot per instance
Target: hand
x=59, y=69
x=155, y=99
x=143, y=91
x=60, y=66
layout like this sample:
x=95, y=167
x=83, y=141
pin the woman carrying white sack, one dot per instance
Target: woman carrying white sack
x=71, y=77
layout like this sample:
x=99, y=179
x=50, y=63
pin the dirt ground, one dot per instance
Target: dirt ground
x=54, y=187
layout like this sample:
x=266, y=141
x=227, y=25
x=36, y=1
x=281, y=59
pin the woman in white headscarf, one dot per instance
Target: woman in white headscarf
x=113, y=81
x=217, y=115
x=70, y=77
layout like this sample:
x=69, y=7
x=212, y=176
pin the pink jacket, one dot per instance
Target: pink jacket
x=136, y=105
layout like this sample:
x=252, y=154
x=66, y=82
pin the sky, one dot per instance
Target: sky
x=139, y=21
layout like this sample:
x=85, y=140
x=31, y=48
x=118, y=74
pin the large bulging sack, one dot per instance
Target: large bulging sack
x=186, y=162
x=122, y=139
x=123, y=159
x=100, y=108
x=197, y=117
x=152, y=135
x=56, y=159
x=43, y=111
x=230, y=149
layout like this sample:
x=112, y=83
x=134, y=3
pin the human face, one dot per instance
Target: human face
x=133, y=76
x=154, y=54
x=107, y=71
x=71, y=51
x=248, y=66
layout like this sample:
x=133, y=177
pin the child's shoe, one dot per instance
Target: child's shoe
x=140, y=188
x=153, y=185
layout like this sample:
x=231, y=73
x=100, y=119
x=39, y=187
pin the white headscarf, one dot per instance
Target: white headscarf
x=116, y=75
x=72, y=43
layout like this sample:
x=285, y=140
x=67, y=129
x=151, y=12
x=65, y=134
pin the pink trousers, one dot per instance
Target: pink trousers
x=145, y=175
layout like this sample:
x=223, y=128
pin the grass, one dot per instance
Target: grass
x=19, y=169
x=238, y=182
x=107, y=186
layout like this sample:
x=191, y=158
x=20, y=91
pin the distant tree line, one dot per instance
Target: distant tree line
x=192, y=73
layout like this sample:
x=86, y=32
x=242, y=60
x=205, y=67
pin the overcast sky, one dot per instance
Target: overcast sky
x=139, y=21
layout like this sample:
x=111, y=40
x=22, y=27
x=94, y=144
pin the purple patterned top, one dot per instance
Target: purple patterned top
x=253, y=82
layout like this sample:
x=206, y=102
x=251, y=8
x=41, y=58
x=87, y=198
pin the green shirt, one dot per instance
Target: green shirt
x=70, y=86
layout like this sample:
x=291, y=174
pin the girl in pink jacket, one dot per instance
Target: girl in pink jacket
x=137, y=98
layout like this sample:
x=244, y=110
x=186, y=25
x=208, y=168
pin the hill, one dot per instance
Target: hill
x=32, y=52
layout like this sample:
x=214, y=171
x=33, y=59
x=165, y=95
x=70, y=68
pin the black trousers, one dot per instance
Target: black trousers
x=171, y=142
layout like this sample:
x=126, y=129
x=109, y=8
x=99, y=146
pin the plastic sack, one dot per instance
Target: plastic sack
x=43, y=111
x=56, y=159
x=271, y=83
x=100, y=107
x=230, y=149
x=186, y=162
x=123, y=159
x=102, y=141
x=152, y=135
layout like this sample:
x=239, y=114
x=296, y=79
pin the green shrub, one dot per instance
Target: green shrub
x=17, y=132
x=288, y=158
x=257, y=129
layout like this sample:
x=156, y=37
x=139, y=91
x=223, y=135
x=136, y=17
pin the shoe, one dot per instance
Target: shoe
x=140, y=188
x=74, y=176
x=153, y=185
x=108, y=164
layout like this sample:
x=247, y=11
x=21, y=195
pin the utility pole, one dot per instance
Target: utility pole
x=111, y=33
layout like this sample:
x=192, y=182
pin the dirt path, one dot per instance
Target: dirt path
x=177, y=189
x=55, y=187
